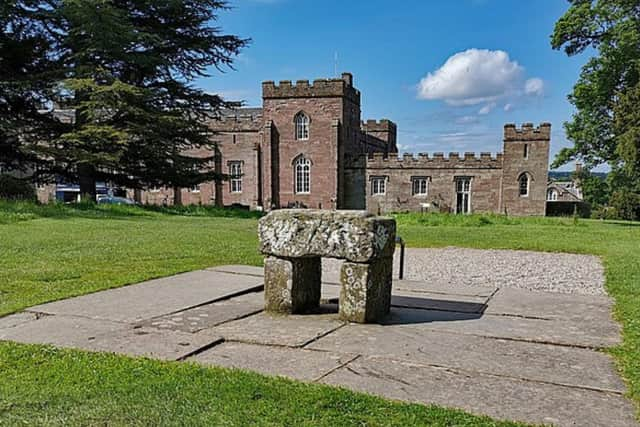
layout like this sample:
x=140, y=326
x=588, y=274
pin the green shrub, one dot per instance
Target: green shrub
x=626, y=204
x=12, y=188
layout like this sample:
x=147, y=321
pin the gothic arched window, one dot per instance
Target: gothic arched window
x=302, y=175
x=523, y=185
x=302, y=126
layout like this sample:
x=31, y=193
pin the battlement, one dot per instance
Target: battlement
x=434, y=161
x=383, y=125
x=527, y=132
x=236, y=122
x=320, y=88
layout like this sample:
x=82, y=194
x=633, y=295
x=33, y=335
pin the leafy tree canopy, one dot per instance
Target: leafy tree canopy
x=605, y=127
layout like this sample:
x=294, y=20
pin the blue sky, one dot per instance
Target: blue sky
x=449, y=73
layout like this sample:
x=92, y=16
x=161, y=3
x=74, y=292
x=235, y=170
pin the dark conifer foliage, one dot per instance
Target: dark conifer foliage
x=125, y=69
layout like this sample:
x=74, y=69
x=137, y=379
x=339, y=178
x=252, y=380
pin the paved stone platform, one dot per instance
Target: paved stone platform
x=503, y=351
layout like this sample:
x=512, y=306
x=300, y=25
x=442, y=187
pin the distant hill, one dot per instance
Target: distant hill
x=566, y=175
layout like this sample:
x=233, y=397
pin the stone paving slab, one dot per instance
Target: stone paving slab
x=304, y=365
x=290, y=331
x=100, y=335
x=519, y=302
x=538, y=362
x=153, y=298
x=17, y=319
x=248, y=270
x=209, y=315
x=422, y=300
x=498, y=397
x=561, y=332
x=444, y=288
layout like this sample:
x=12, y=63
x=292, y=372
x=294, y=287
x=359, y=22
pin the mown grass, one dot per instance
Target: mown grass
x=62, y=251
x=57, y=251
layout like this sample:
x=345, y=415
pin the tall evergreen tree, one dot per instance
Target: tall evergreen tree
x=30, y=64
x=130, y=65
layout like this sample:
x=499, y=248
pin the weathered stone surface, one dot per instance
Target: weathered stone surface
x=554, y=331
x=498, y=397
x=305, y=365
x=154, y=297
x=209, y=315
x=292, y=285
x=352, y=235
x=433, y=287
x=102, y=335
x=248, y=270
x=564, y=365
x=17, y=319
x=547, y=305
x=366, y=291
x=290, y=331
x=442, y=302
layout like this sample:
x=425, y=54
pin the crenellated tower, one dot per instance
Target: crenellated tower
x=525, y=169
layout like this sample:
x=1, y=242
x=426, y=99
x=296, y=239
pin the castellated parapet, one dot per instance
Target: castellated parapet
x=237, y=123
x=527, y=132
x=383, y=125
x=435, y=161
x=321, y=88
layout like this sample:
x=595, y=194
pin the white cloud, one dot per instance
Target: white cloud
x=472, y=77
x=487, y=108
x=479, y=76
x=534, y=86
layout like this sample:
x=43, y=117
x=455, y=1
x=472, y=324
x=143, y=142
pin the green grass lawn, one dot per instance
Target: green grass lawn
x=48, y=253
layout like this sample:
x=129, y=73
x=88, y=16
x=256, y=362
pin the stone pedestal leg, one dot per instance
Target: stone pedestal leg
x=291, y=285
x=366, y=290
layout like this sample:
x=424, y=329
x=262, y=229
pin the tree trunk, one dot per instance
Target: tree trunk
x=217, y=167
x=177, y=196
x=87, y=181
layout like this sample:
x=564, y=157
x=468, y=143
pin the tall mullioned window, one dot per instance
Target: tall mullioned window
x=523, y=185
x=552, y=195
x=235, y=172
x=302, y=126
x=463, y=195
x=302, y=176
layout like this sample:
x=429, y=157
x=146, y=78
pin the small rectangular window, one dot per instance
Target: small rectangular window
x=378, y=185
x=526, y=151
x=235, y=172
x=195, y=188
x=419, y=185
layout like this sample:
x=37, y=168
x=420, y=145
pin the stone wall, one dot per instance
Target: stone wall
x=485, y=172
x=494, y=180
x=238, y=139
x=321, y=148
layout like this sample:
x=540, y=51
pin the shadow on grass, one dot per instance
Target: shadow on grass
x=17, y=211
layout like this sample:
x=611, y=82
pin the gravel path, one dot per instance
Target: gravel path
x=539, y=271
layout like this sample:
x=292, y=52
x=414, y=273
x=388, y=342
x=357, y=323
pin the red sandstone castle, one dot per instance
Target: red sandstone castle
x=307, y=147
